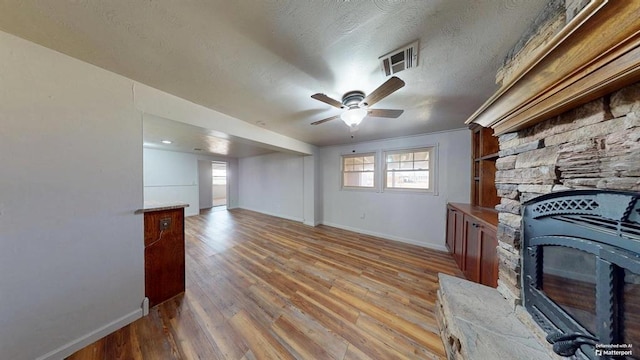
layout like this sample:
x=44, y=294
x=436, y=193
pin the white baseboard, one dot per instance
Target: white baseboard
x=389, y=237
x=272, y=214
x=75, y=345
x=312, y=223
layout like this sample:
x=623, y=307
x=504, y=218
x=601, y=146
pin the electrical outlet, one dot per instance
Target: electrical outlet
x=165, y=223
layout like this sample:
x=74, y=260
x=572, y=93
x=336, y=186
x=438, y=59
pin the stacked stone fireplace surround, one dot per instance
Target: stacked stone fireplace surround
x=594, y=146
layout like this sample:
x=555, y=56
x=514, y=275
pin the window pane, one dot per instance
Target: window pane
x=406, y=157
x=408, y=180
x=393, y=166
x=348, y=161
x=357, y=160
x=356, y=179
x=358, y=167
x=421, y=155
x=348, y=168
x=393, y=157
x=421, y=165
x=406, y=165
x=368, y=159
x=368, y=167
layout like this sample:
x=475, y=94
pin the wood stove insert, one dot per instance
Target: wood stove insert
x=581, y=271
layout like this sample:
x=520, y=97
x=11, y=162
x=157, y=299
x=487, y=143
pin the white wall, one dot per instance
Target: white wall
x=273, y=184
x=171, y=176
x=205, y=177
x=71, y=260
x=407, y=216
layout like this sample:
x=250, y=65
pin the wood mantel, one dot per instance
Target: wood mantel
x=597, y=53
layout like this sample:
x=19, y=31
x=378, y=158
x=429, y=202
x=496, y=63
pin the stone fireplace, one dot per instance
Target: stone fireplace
x=595, y=146
x=568, y=119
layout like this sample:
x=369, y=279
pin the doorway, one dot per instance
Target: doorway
x=219, y=183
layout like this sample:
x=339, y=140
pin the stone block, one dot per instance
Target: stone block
x=509, y=191
x=580, y=183
x=509, y=205
x=510, y=258
x=508, y=235
x=629, y=183
x=528, y=146
x=559, y=187
x=506, y=247
x=626, y=100
x=508, y=219
x=510, y=276
x=509, y=144
x=507, y=137
x=589, y=131
x=590, y=113
x=545, y=174
x=528, y=196
x=540, y=189
x=538, y=157
x=506, y=163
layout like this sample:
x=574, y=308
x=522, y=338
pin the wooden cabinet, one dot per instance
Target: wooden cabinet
x=484, y=148
x=455, y=233
x=164, y=254
x=471, y=238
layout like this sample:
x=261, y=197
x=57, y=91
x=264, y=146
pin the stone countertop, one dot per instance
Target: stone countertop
x=150, y=206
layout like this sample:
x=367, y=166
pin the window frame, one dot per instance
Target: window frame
x=375, y=171
x=432, y=169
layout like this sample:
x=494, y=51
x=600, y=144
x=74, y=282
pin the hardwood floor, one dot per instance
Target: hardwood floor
x=260, y=287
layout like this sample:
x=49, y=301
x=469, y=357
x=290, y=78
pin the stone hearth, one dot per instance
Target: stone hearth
x=476, y=322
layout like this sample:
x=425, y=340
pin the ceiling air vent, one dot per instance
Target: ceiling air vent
x=400, y=59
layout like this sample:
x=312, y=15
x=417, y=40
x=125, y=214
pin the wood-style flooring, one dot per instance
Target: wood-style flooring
x=261, y=287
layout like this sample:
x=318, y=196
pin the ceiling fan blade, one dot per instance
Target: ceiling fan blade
x=325, y=120
x=385, y=113
x=327, y=100
x=383, y=91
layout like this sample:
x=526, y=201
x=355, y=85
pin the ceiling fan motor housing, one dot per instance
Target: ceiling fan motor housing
x=352, y=99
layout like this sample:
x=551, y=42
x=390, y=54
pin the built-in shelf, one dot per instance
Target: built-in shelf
x=484, y=154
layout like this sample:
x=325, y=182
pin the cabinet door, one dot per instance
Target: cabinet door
x=472, y=250
x=488, y=257
x=455, y=236
x=451, y=229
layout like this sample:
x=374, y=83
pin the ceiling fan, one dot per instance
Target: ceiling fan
x=356, y=104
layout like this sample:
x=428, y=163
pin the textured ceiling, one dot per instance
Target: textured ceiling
x=261, y=60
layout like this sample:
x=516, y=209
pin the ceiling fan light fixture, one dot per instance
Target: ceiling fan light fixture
x=353, y=117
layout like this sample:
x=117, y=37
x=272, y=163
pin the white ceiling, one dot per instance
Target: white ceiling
x=261, y=60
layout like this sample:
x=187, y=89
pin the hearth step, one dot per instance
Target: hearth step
x=477, y=323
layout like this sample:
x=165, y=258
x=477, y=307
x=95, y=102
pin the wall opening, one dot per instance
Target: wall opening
x=219, y=183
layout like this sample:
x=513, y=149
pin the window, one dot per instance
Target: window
x=409, y=169
x=358, y=171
